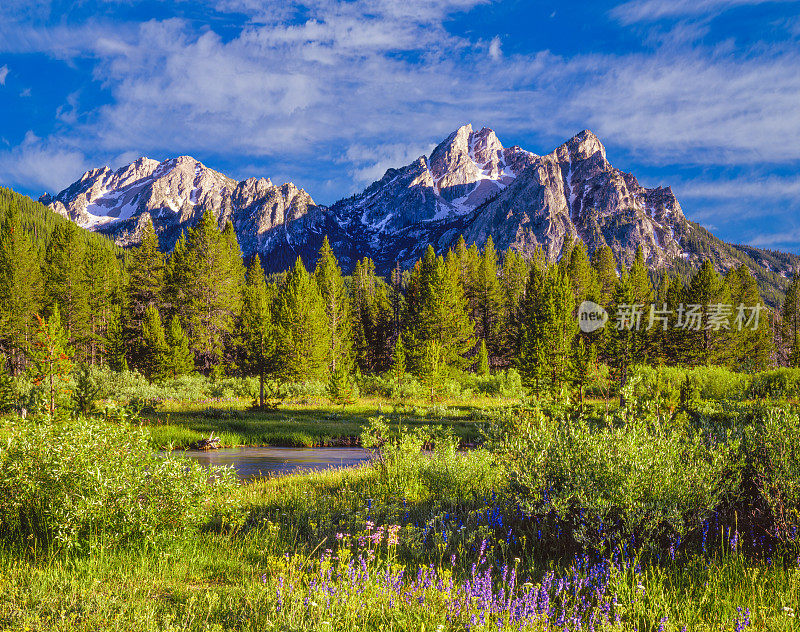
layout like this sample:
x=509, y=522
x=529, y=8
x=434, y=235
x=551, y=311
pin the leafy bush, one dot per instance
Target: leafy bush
x=774, y=456
x=678, y=385
x=781, y=382
x=444, y=473
x=631, y=476
x=79, y=483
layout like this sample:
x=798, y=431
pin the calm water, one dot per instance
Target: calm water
x=251, y=463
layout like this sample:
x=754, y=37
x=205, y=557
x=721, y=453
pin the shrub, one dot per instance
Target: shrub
x=75, y=484
x=406, y=471
x=774, y=456
x=632, y=476
x=781, y=382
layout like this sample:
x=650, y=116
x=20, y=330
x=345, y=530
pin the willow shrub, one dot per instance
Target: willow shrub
x=773, y=451
x=79, y=483
x=633, y=476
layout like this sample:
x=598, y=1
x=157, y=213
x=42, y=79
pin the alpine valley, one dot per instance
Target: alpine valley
x=470, y=185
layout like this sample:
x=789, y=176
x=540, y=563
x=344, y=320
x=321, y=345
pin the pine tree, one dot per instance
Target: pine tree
x=514, y=278
x=489, y=300
x=51, y=357
x=548, y=329
x=704, y=344
x=20, y=290
x=7, y=399
x=146, y=277
x=642, y=295
x=622, y=325
x=114, y=342
x=204, y=278
x=582, y=275
x=103, y=278
x=483, y=360
x=584, y=358
x=257, y=329
x=373, y=320
x=752, y=346
x=65, y=283
x=606, y=267
x=180, y=359
x=431, y=366
x=337, y=307
x=340, y=386
x=301, y=331
x=790, y=321
x=399, y=362
x=437, y=311
x=155, y=352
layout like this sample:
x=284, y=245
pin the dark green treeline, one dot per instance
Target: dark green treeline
x=199, y=309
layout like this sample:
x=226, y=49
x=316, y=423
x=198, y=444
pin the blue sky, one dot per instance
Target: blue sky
x=702, y=95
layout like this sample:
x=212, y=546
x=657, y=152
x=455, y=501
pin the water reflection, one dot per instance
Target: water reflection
x=251, y=463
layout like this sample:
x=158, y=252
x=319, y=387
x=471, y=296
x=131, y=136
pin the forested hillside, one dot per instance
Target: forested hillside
x=67, y=292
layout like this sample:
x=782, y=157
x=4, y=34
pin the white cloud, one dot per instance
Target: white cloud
x=42, y=163
x=495, y=52
x=3, y=75
x=371, y=84
x=781, y=238
x=771, y=188
x=653, y=10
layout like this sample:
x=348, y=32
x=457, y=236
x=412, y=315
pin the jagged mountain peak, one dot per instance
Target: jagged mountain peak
x=174, y=193
x=470, y=185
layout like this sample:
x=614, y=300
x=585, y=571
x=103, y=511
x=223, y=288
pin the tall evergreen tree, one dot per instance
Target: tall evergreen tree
x=752, y=343
x=146, y=277
x=398, y=362
x=489, y=301
x=203, y=282
x=606, y=267
x=257, y=328
x=115, y=342
x=179, y=358
x=337, y=307
x=437, y=311
x=51, y=357
x=790, y=322
x=548, y=330
x=374, y=324
x=513, y=281
x=155, y=351
x=582, y=275
x=301, y=329
x=20, y=290
x=706, y=294
x=103, y=275
x=65, y=283
x=642, y=295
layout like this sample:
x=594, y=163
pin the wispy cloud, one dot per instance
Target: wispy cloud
x=653, y=10
x=3, y=75
x=42, y=163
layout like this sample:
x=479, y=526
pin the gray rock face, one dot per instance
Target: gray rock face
x=470, y=185
x=174, y=194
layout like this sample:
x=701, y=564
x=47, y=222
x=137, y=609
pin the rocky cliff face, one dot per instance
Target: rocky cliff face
x=174, y=194
x=470, y=185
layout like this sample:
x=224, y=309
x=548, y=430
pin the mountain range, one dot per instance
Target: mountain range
x=470, y=185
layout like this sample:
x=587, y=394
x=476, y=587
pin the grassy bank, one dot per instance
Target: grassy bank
x=644, y=519
x=308, y=424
